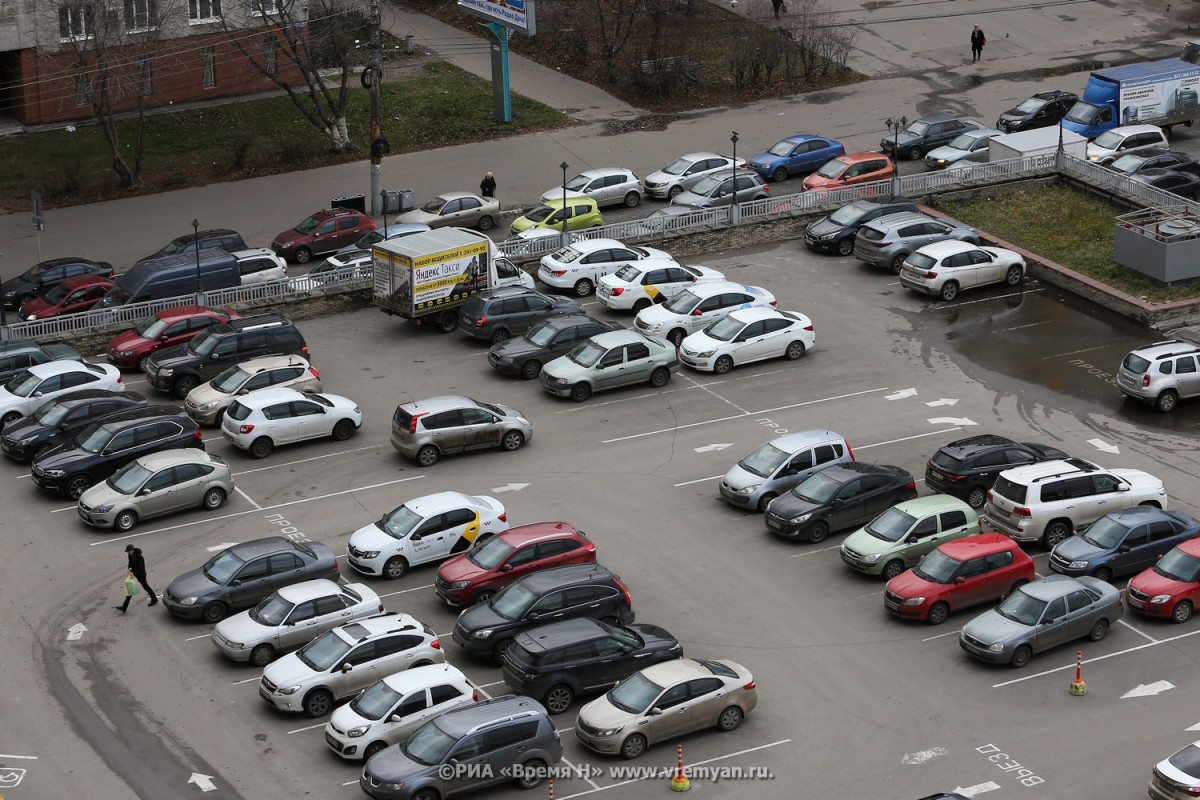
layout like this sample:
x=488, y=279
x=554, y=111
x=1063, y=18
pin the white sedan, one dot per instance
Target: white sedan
x=580, y=266
x=747, y=335
x=698, y=307
x=260, y=420
x=943, y=269
x=674, y=177
x=635, y=286
x=30, y=388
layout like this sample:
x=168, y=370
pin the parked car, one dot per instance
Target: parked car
x=423, y=530
x=922, y=135
x=241, y=575
x=62, y=418
x=636, y=286
x=341, y=662
x=545, y=341
x=698, y=307
x=780, y=464
x=748, y=335
x=323, y=232
x=943, y=269
x=969, y=146
x=638, y=712
x=609, y=186
x=494, y=562
x=260, y=421
x=208, y=402
x=888, y=241
x=1133, y=163
x=531, y=242
x=849, y=170
x=717, y=189
x=609, y=360
x=259, y=265
x=835, y=232
x=43, y=276
x=903, y=535
x=496, y=314
x=1177, y=776
x=72, y=296
x=20, y=354
x=838, y=497
x=1116, y=142
x=672, y=179
x=167, y=328
x=562, y=660
x=1171, y=588
x=1040, y=615
x=292, y=617
x=795, y=155
x=461, y=209
x=1039, y=111
x=425, y=430
x=1122, y=542
x=1161, y=374
x=341, y=267
x=396, y=230
x=155, y=485
x=580, y=213
x=580, y=266
x=220, y=238
x=959, y=574
x=26, y=391
x=1184, y=184
x=967, y=468
x=675, y=218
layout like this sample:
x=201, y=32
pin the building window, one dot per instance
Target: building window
x=76, y=22
x=261, y=8
x=203, y=10
x=146, y=79
x=270, y=56
x=141, y=15
x=208, y=65
x=81, y=85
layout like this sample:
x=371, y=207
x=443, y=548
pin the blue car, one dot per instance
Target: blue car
x=795, y=155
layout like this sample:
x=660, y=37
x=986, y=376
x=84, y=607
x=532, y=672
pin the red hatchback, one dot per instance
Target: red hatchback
x=1171, y=588
x=69, y=297
x=323, y=232
x=967, y=572
x=474, y=576
x=166, y=328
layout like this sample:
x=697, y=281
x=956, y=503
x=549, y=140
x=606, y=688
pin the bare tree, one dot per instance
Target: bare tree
x=615, y=21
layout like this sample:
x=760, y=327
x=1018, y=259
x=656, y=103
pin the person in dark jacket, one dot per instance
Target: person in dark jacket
x=137, y=565
x=978, y=40
x=487, y=186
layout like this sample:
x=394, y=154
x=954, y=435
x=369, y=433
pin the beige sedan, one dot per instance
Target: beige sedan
x=456, y=208
x=207, y=402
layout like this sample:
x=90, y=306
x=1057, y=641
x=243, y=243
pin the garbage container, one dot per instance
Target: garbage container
x=354, y=202
x=397, y=202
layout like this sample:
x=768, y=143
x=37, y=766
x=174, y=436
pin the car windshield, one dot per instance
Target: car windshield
x=578, y=183
x=93, y=438
x=764, y=461
x=35, y=272
x=376, y=701
x=1029, y=106
x=629, y=273
x=429, y=745
x=1179, y=566
x=51, y=413
x=782, y=148
x=831, y=169
x=491, y=553
x=847, y=214
x=962, y=142
x=1021, y=608
x=678, y=166
x=116, y=296
x=22, y=384
x=203, y=343
x=1128, y=163
x=539, y=214
x=399, y=522
x=635, y=694
x=918, y=128
x=222, y=567
x=817, y=488
x=921, y=261
x=937, y=567
x=307, y=226
x=230, y=380
x=272, y=611
x=1109, y=140
x=706, y=185
x=369, y=238
x=512, y=601
x=150, y=328
x=56, y=294
x=724, y=329
x=324, y=652
x=586, y=354
x=129, y=478
x=541, y=334
x=434, y=206
x=1105, y=532
x=891, y=525
x=174, y=247
x=682, y=303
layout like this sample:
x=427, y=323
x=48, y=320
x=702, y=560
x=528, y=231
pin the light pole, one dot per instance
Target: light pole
x=733, y=202
x=895, y=126
x=563, y=239
x=199, y=288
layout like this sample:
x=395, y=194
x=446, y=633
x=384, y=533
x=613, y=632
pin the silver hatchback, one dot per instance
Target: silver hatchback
x=426, y=430
x=1163, y=373
x=887, y=241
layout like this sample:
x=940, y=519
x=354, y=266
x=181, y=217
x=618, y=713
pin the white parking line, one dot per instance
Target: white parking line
x=202, y=636
x=493, y=683
x=248, y=680
x=700, y=480
x=1095, y=659
x=481, y=690
x=943, y=635
x=1075, y=352
x=1020, y=327
x=564, y=730
x=586, y=406
x=908, y=438
x=10, y=755
x=1137, y=631
x=583, y=774
x=307, y=728
x=406, y=591
x=705, y=386
x=238, y=489
x=818, y=550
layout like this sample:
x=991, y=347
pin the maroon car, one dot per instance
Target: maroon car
x=323, y=232
x=69, y=297
x=166, y=328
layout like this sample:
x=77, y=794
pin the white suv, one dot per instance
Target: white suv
x=1161, y=374
x=695, y=308
x=1052, y=499
x=341, y=662
x=260, y=265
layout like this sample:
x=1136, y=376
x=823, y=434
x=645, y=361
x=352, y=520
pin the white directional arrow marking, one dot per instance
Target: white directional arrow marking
x=1195, y=727
x=1148, y=689
x=1100, y=444
x=76, y=631
x=708, y=448
x=951, y=421
x=220, y=546
x=921, y=756
x=512, y=487
x=942, y=401
x=977, y=789
x=900, y=395
x=203, y=782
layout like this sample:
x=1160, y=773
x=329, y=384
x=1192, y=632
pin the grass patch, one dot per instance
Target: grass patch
x=1068, y=227
x=443, y=106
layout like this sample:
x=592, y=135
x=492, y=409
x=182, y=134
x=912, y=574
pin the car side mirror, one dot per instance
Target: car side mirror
x=534, y=616
x=960, y=579
x=416, y=537
x=1048, y=621
x=213, y=356
x=37, y=394
x=347, y=667
x=289, y=622
x=506, y=568
x=911, y=540
x=1123, y=548
x=656, y=712
x=394, y=718
x=243, y=391
x=164, y=337
x=143, y=492
x=837, y=503
x=697, y=313
x=1124, y=487
x=236, y=582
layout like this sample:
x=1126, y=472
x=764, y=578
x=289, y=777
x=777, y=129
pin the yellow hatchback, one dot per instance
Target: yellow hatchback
x=581, y=212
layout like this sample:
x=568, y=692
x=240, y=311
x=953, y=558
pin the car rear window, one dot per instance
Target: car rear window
x=474, y=305
x=921, y=261
x=520, y=656
x=946, y=462
x=1187, y=760
x=402, y=419
x=238, y=411
x=1135, y=363
x=874, y=234
x=1013, y=491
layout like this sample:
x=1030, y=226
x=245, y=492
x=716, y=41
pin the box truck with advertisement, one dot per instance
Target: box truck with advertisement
x=427, y=277
x=1037, y=142
x=1162, y=93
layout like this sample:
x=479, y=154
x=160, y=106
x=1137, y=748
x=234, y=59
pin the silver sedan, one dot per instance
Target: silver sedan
x=456, y=208
x=155, y=485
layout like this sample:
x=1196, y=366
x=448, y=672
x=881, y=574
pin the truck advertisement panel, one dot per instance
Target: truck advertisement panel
x=1160, y=100
x=432, y=282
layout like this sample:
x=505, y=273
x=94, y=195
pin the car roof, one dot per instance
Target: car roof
x=369, y=627
x=803, y=137
x=946, y=248
x=506, y=291
x=855, y=158
x=461, y=721
x=1033, y=473
x=183, y=312
x=679, y=669
x=556, y=202
x=900, y=218
x=1054, y=94
x=1051, y=587
x=308, y=590
x=1127, y=130
x=169, y=458
x=439, y=501
x=259, y=547
x=588, y=245
x=601, y=171
x=971, y=445
x=265, y=397
x=571, y=320
x=416, y=678
x=252, y=251
x=934, y=504
x=560, y=634
x=849, y=469
x=701, y=156
x=936, y=118
x=981, y=133
x=1166, y=349
x=445, y=402
x=539, y=531
x=619, y=337
x=755, y=313
x=84, y=280
x=131, y=416
x=710, y=288
x=981, y=544
x=792, y=442
x=51, y=368
x=458, y=195
x=256, y=365
x=71, y=399
x=58, y=262
x=547, y=579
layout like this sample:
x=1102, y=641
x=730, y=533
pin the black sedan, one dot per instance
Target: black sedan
x=1184, y=184
x=967, y=468
x=61, y=418
x=1134, y=163
x=838, y=497
x=544, y=341
x=835, y=233
x=46, y=275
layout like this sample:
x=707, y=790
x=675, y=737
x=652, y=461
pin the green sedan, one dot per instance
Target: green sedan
x=899, y=537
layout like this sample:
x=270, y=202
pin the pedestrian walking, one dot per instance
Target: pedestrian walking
x=132, y=587
x=978, y=40
x=137, y=567
x=487, y=186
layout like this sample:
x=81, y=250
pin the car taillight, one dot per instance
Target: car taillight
x=315, y=374
x=1021, y=511
x=474, y=695
x=412, y=426
x=120, y=379
x=618, y=291
x=558, y=273
x=628, y=599
x=436, y=644
x=591, y=548
x=809, y=328
x=479, y=323
x=335, y=565
x=503, y=517
x=850, y=451
x=766, y=187
x=871, y=242
x=911, y=485
x=304, y=348
x=380, y=611
x=246, y=429
x=1145, y=380
x=774, y=302
x=930, y=275
x=371, y=222
x=749, y=685
x=197, y=435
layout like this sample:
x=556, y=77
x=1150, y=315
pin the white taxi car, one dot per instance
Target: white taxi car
x=747, y=335
x=635, y=286
x=696, y=308
x=579, y=266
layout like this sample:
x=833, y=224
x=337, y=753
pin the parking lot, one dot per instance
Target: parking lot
x=851, y=701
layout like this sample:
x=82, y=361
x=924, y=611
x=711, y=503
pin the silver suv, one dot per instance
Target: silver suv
x=887, y=241
x=608, y=187
x=1161, y=374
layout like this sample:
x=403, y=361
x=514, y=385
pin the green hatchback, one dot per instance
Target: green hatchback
x=899, y=537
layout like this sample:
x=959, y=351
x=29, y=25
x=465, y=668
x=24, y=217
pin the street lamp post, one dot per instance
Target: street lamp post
x=894, y=127
x=733, y=205
x=199, y=287
x=563, y=240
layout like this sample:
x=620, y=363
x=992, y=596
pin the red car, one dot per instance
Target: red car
x=847, y=170
x=323, y=232
x=1171, y=588
x=69, y=297
x=166, y=328
x=474, y=576
x=967, y=572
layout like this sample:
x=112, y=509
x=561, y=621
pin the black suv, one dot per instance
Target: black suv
x=62, y=418
x=967, y=468
x=71, y=466
x=221, y=238
x=581, y=590
x=496, y=314
x=181, y=368
x=835, y=233
x=842, y=496
x=545, y=341
x=1040, y=111
x=45, y=275
x=558, y=661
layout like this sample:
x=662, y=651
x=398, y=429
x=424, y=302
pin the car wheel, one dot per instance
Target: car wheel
x=1021, y=657
x=184, y=384
x=845, y=246
x=892, y=569
x=641, y=304
x=1182, y=612
x=261, y=447
x=214, y=612
x=142, y=362
x=531, y=773
x=499, y=335
x=1105, y=574
x=302, y=255
x=977, y=496
x=949, y=291
x=730, y=718
x=425, y=794
x=486, y=223
x=794, y=351
x=818, y=532
x=765, y=501
x=1055, y=532
x=343, y=430
x=722, y=365
x=427, y=456
x=1099, y=630
x=674, y=192
x=512, y=441
x=498, y=650
x=633, y=746
x=914, y=152
x=633, y=200
x=8, y=418
x=483, y=597
x=675, y=337
x=125, y=521
x=580, y=392
x=898, y=262
x=220, y=418
x=318, y=703
x=558, y=699
x=375, y=747
x=584, y=287
x=938, y=613
x=780, y=174
x=395, y=568
x=660, y=377
x=262, y=655
x=214, y=498
x=1167, y=401
x=531, y=369
x=1013, y=276
x=77, y=485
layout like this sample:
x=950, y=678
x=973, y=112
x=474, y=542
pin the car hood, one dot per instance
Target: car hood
x=1152, y=583
x=910, y=584
x=563, y=367
x=459, y=568
x=602, y=715
x=63, y=455
x=288, y=671
x=948, y=153
x=699, y=342
x=240, y=628
x=863, y=542
x=169, y=356
x=127, y=340
x=100, y=494
x=787, y=505
x=658, y=176
x=392, y=766
x=193, y=583
x=518, y=346
x=690, y=198
x=815, y=181
x=989, y=627
x=417, y=215
x=655, y=637
x=557, y=194
x=824, y=227
x=205, y=393
x=656, y=314
x=372, y=537
x=1139, y=481
x=1076, y=548
x=7, y=398
x=764, y=160
x=480, y=616
x=340, y=403
x=37, y=305
x=904, y=137
x=24, y=428
x=12, y=284
x=1012, y=115
x=739, y=478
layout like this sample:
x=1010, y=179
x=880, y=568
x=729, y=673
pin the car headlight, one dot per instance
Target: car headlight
x=27, y=441
x=286, y=245
x=706, y=353
x=871, y=559
x=166, y=372
x=391, y=787
x=998, y=647
x=657, y=326
x=482, y=634
x=939, y=161
x=608, y=732
x=1160, y=598
x=124, y=353
x=55, y=473
x=188, y=601
x=208, y=406
x=31, y=318
x=289, y=690
x=800, y=519
x=557, y=381
x=369, y=554
x=104, y=509
x=361, y=730
x=234, y=645
x=750, y=489
x=826, y=236
x=1078, y=565
x=913, y=601
x=1093, y=158
x=459, y=585
x=505, y=359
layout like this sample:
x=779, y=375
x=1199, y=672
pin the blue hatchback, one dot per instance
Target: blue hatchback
x=1122, y=542
x=795, y=155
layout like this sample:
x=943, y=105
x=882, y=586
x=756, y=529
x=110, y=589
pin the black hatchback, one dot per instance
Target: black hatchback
x=835, y=233
x=842, y=496
x=61, y=418
x=967, y=468
x=106, y=445
x=545, y=341
x=1040, y=111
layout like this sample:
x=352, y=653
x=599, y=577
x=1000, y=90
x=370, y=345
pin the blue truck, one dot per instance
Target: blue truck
x=1164, y=93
